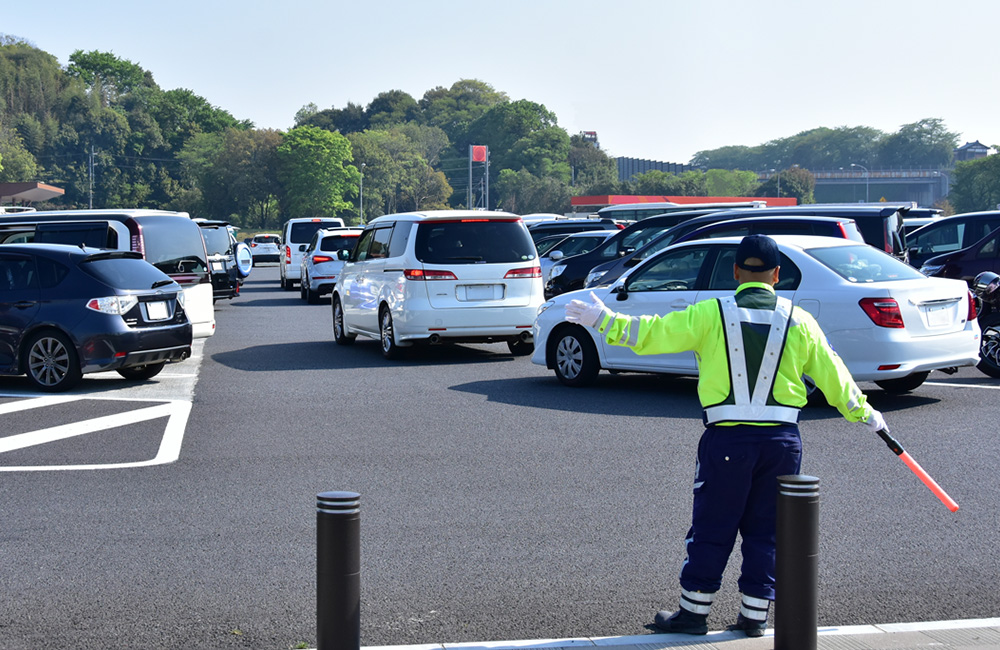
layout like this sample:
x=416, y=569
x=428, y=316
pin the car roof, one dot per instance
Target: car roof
x=346, y=230
x=67, y=250
x=793, y=241
x=444, y=215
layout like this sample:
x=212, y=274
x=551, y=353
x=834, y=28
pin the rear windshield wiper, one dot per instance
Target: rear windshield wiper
x=161, y=283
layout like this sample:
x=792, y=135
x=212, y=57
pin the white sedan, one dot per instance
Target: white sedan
x=888, y=322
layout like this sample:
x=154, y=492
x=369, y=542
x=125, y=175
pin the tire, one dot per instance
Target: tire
x=574, y=357
x=51, y=362
x=520, y=348
x=142, y=373
x=989, y=347
x=289, y=284
x=903, y=384
x=281, y=280
x=302, y=289
x=312, y=297
x=386, y=338
x=340, y=334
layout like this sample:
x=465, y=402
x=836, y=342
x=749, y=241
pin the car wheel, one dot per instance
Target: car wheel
x=142, y=373
x=519, y=347
x=989, y=347
x=289, y=285
x=281, y=280
x=575, y=356
x=903, y=384
x=51, y=362
x=302, y=288
x=389, y=348
x=340, y=334
x=312, y=297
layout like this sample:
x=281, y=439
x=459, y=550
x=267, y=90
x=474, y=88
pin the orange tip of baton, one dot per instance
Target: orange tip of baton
x=929, y=482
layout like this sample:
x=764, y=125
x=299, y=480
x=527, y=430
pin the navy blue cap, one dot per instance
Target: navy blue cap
x=763, y=248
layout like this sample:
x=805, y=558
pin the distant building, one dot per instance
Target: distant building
x=629, y=167
x=971, y=151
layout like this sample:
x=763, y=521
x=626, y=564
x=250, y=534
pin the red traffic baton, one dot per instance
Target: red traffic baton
x=918, y=470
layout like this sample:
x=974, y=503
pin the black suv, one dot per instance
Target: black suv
x=229, y=262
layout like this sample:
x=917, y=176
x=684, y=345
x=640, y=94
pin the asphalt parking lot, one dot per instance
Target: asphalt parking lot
x=496, y=503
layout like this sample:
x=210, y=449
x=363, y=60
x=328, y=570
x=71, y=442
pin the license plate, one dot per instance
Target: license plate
x=157, y=311
x=939, y=316
x=480, y=292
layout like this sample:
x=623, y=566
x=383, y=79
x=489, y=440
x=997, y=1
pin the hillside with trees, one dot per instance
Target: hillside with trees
x=103, y=130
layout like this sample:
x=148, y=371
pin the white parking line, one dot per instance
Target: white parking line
x=942, y=383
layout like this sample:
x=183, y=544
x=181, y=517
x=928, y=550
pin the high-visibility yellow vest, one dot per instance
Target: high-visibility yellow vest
x=750, y=363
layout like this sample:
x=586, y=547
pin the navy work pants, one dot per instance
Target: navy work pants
x=736, y=490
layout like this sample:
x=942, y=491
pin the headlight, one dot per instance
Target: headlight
x=556, y=270
x=594, y=277
x=543, y=307
x=929, y=269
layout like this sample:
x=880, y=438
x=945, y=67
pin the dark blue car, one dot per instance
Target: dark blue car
x=69, y=310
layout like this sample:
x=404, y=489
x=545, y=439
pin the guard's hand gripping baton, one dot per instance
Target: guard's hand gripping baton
x=918, y=470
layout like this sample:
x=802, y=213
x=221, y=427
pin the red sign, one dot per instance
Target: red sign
x=478, y=153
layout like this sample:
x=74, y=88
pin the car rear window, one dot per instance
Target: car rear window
x=472, y=241
x=862, y=264
x=216, y=240
x=302, y=231
x=173, y=244
x=340, y=242
x=266, y=239
x=124, y=272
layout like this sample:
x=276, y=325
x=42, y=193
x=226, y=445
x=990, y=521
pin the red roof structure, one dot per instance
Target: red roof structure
x=603, y=200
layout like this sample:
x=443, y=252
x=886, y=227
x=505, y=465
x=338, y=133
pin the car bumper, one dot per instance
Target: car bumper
x=136, y=348
x=265, y=258
x=468, y=325
x=874, y=355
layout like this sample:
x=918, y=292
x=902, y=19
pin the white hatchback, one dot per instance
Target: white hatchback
x=322, y=261
x=887, y=321
x=448, y=275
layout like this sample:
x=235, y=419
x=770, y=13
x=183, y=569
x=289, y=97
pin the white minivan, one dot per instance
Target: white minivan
x=295, y=236
x=440, y=276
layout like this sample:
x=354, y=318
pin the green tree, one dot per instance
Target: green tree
x=660, y=183
x=794, y=181
x=107, y=75
x=315, y=174
x=521, y=192
x=922, y=144
x=454, y=109
x=976, y=185
x=593, y=171
x=391, y=108
x=722, y=182
x=351, y=119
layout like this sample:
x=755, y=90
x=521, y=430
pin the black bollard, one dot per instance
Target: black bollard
x=797, y=563
x=338, y=571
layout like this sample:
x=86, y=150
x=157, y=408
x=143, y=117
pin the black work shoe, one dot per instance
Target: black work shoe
x=750, y=627
x=682, y=622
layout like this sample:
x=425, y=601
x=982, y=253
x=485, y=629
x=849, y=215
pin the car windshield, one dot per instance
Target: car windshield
x=862, y=264
x=266, y=239
x=216, y=240
x=471, y=241
x=337, y=243
x=126, y=273
x=578, y=245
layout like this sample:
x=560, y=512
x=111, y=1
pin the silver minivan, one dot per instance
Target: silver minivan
x=440, y=276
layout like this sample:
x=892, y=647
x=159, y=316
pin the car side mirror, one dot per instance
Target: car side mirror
x=344, y=254
x=621, y=293
x=555, y=256
x=302, y=248
x=625, y=251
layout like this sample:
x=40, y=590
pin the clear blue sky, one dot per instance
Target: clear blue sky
x=656, y=79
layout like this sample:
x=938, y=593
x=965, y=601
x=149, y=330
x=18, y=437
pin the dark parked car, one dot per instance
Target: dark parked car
x=69, y=310
x=229, y=262
x=540, y=229
x=950, y=234
x=967, y=263
x=570, y=274
x=707, y=226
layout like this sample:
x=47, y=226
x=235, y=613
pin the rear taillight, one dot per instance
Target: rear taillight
x=319, y=259
x=529, y=272
x=288, y=254
x=972, y=307
x=117, y=305
x=884, y=312
x=422, y=274
x=253, y=245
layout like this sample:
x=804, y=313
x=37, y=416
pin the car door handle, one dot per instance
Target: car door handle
x=24, y=304
x=679, y=304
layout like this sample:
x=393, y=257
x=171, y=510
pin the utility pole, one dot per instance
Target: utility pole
x=91, y=168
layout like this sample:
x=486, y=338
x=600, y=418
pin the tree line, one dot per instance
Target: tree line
x=102, y=129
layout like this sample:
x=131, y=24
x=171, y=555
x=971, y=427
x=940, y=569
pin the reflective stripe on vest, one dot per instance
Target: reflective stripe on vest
x=755, y=408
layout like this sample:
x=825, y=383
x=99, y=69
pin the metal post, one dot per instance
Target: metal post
x=797, y=563
x=338, y=571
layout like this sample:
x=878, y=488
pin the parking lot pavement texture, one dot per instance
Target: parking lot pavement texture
x=939, y=635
